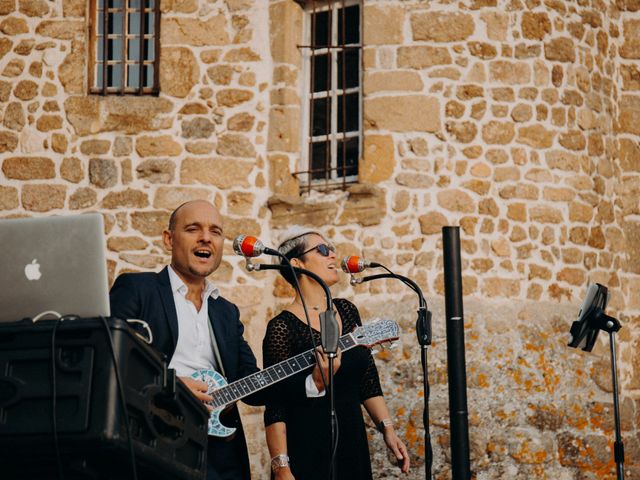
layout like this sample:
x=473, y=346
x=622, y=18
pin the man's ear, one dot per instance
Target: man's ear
x=295, y=262
x=167, y=239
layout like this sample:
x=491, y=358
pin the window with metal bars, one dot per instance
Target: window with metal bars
x=124, y=46
x=332, y=120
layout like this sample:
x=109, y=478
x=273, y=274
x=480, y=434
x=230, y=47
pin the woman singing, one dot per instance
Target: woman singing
x=297, y=418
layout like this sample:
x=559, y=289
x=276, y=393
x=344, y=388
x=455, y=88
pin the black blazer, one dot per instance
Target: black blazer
x=148, y=297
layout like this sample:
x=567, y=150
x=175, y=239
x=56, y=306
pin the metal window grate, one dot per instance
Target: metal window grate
x=125, y=44
x=333, y=126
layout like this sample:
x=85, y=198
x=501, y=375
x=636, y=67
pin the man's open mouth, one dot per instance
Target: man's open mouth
x=202, y=253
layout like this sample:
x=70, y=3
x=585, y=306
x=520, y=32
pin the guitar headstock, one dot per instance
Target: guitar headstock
x=376, y=333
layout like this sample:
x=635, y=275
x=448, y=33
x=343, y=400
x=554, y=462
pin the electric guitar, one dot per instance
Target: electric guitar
x=224, y=393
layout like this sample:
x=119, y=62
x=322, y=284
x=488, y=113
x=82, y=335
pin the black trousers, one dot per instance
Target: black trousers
x=227, y=460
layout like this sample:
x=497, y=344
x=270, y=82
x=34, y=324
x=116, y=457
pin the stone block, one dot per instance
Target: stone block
x=169, y=198
x=434, y=26
x=629, y=155
x=241, y=122
x=235, y=145
x=14, y=68
x=14, y=117
x=150, y=223
x=500, y=287
x=9, y=198
x=43, y=198
x=14, y=26
x=383, y=25
x=61, y=29
x=285, y=32
x=535, y=26
x=545, y=214
x=423, y=56
x=522, y=191
x=24, y=47
x=193, y=31
x=281, y=182
x=122, y=146
x=157, y=146
x=26, y=90
x=5, y=46
x=199, y=127
x=378, y=160
x=240, y=203
x=414, y=180
x=535, y=136
x=95, y=147
x=8, y=141
x=72, y=70
x=431, y=223
x=221, y=172
x=46, y=123
x=284, y=129
x=129, y=198
x=630, y=49
x=560, y=49
x=123, y=244
x=498, y=133
x=103, y=173
x=179, y=6
x=59, y=143
x=629, y=114
x=73, y=8
x=403, y=113
x=232, y=96
x=179, y=71
x=72, y=169
x=365, y=205
x=456, y=201
x=511, y=73
x=240, y=55
x=28, y=168
x=7, y=6
x=156, y=170
x=573, y=140
x=521, y=113
x=392, y=81
x=463, y=132
x=497, y=24
x=288, y=210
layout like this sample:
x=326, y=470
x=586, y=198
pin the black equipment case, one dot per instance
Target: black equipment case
x=168, y=424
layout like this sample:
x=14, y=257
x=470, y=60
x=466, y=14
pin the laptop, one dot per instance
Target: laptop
x=54, y=263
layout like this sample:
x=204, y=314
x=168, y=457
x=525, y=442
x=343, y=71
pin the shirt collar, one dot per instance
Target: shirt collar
x=177, y=285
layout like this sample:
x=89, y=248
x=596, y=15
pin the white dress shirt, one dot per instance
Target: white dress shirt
x=194, y=349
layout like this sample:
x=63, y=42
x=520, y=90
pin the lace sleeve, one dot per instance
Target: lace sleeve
x=277, y=347
x=370, y=382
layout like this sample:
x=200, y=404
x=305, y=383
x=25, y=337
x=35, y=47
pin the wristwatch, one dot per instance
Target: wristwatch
x=279, y=461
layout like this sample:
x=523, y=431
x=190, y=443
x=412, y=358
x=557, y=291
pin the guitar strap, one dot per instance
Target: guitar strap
x=216, y=352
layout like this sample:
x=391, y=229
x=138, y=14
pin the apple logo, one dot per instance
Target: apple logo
x=32, y=270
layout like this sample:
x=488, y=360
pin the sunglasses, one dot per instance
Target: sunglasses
x=322, y=248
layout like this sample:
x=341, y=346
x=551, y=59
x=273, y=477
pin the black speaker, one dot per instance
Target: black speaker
x=167, y=424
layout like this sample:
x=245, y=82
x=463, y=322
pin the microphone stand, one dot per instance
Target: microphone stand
x=423, y=331
x=329, y=336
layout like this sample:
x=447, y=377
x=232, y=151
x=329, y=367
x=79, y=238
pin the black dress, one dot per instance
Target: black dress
x=307, y=419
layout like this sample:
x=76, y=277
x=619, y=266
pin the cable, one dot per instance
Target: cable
x=54, y=424
x=123, y=402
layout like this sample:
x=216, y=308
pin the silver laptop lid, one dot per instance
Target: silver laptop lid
x=53, y=263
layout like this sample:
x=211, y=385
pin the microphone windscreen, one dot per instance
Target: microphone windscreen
x=248, y=246
x=351, y=264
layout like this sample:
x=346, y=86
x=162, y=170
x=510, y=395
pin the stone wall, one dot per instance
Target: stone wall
x=516, y=120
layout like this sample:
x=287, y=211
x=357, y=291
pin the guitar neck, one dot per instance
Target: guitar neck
x=273, y=374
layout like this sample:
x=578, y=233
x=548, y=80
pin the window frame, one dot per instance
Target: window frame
x=94, y=38
x=334, y=179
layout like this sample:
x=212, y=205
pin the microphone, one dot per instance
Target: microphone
x=250, y=247
x=354, y=264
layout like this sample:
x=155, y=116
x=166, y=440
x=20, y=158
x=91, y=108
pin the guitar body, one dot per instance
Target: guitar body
x=215, y=381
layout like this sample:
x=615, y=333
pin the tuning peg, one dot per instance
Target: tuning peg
x=393, y=345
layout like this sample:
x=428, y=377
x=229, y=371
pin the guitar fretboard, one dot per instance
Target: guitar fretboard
x=279, y=371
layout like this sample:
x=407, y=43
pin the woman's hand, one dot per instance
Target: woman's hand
x=397, y=448
x=284, y=473
x=323, y=366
